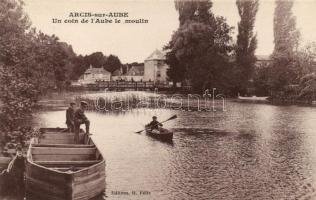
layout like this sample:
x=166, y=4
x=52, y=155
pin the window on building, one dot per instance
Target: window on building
x=160, y=63
x=158, y=74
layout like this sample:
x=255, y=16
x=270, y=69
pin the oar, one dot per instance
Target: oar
x=171, y=118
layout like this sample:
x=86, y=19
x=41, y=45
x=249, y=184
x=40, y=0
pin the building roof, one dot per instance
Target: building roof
x=117, y=72
x=136, y=71
x=157, y=55
x=93, y=70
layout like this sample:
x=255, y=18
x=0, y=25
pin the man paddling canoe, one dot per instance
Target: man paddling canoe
x=80, y=118
x=154, y=124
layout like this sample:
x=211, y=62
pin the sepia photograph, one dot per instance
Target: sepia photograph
x=157, y=99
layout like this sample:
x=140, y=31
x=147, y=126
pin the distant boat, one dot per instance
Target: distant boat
x=253, y=99
x=58, y=169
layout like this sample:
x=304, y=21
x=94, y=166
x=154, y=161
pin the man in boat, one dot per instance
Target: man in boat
x=81, y=118
x=154, y=124
x=70, y=116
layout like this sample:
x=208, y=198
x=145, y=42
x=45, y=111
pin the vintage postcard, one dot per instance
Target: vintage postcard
x=157, y=100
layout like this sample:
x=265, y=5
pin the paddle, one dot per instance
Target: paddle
x=171, y=118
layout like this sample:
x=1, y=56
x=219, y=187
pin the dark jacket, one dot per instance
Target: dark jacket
x=80, y=117
x=154, y=125
x=70, y=115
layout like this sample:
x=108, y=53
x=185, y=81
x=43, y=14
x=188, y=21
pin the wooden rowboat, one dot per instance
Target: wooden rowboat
x=58, y=169
x=162, y=134
x=4, y=162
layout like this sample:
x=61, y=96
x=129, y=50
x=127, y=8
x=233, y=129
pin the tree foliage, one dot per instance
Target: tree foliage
x=199, y=50
x=286, y=41
x=246, y=42
x=308, y=87
x=193, y=10
x=31, y=62
x=305, y=58
x=112, y=63
x=96, y=59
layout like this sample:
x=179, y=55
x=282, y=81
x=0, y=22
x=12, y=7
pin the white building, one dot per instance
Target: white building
x=134, y=73
x=155, y=68
x=92, y=75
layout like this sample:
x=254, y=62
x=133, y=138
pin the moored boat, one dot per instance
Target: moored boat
x=58, y=169
x=253, y=99
x=161, y=134
x=4, y=162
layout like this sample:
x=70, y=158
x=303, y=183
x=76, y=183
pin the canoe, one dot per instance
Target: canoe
x=59, y=169
x=162, y=134
x=253, y=99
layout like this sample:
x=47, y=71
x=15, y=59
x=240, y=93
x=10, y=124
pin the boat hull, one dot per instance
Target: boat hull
x=64, y=171
x=164, y=135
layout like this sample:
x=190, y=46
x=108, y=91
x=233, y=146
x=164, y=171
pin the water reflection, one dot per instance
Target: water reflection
x=249, y=152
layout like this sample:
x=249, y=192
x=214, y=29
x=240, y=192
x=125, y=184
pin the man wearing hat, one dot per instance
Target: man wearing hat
x=70, y=116
x=80, y=118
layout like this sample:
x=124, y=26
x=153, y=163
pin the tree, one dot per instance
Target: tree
x=246, y=41
x=18, y=96
x=305, y=58
x=308, y=87
x=79, y=68
x=96, y=59
x=197, y=10
x=31, y=62
x=16, y=92
x=175, y=72
x=112, y=63
x=199, y=50
x=13, y=22
x=286, y=41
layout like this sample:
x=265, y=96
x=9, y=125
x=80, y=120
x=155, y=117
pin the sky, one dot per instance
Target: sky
x=135, y=42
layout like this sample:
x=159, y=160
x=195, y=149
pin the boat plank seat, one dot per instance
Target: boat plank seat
x=52, y=129
x=62, y=150
x=58, y=135
x=63, y=164
x=56, y=141
x=58, y=138
x=65, y=145
x=63, y=153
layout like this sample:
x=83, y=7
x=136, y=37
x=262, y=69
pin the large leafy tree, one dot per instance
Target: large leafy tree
x=96, y=59
x=308, y=87
x=31, y=62
x=197, y=10
x=199, y=49
x=286, y=41
x=246, y=41
x=16, y=90
x=112, y=63
x=305, y=58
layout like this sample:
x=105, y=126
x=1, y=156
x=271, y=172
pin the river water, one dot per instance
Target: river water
x=249, y=151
